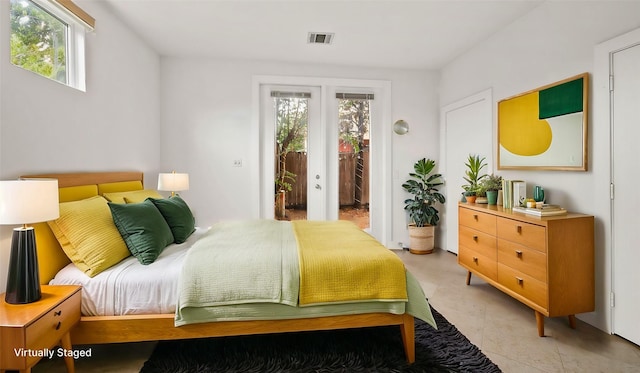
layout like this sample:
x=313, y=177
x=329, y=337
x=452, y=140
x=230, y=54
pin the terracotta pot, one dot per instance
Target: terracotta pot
x=421, y=239
x=470, y=199
x=280, y=205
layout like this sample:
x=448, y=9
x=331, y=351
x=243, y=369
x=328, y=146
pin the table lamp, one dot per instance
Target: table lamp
x=25, y=202
x=173, y=182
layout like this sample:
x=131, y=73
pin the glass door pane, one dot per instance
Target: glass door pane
x=292, y=118
x=353, y=146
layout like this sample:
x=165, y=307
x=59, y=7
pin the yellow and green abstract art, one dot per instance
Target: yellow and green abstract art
x=545, y=128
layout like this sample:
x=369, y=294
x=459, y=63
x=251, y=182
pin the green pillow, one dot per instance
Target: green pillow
x=143, y=229
x=178, y=215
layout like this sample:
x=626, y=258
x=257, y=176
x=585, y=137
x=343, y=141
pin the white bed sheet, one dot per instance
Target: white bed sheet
x=150, y=288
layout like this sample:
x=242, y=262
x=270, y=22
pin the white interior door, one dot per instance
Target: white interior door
x=626, y=250
x=468, y=129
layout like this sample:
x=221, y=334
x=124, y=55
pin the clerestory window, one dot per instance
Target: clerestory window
x=47, y=38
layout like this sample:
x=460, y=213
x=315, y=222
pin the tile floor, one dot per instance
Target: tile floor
x=504, y=329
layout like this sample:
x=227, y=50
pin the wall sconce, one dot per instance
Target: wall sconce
x=400, y=127
x=173, y=182
x=25, y=202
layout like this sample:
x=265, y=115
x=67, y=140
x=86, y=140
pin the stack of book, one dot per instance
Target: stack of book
x=514, y=193
x=545, y=210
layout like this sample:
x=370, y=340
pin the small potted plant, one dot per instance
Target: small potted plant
x=492, y=184
x=423, y=185
x=474, y=164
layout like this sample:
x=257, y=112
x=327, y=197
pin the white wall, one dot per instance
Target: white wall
x=553, y=42
x=48, y=127
x=207, y=123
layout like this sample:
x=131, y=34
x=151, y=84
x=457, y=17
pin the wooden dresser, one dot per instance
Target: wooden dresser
x=546, y=263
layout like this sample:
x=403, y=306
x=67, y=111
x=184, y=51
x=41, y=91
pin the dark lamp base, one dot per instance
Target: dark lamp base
x=23, y=280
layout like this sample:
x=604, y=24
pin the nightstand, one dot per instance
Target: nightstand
x=28, y=332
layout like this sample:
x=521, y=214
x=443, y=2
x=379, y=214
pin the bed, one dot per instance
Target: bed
x=96, y=328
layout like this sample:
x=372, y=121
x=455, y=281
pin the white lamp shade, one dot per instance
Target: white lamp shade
x=28, y=201
x=173, y=182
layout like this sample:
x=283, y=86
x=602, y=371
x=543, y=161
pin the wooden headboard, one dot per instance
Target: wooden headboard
x=76, y=186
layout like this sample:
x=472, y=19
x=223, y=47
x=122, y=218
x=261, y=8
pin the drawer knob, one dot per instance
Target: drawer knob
x=475, y=217
x=58, y=326
x=475, y=259
x=475, y=238
x=520, y=281
x=519, y=229
x=519, y=253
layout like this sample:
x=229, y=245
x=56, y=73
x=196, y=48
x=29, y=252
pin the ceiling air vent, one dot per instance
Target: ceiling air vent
x=320, y=38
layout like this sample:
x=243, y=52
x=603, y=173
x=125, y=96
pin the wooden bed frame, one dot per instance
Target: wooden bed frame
x=156, y=327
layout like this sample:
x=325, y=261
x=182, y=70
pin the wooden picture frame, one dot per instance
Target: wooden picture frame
x=545, y=128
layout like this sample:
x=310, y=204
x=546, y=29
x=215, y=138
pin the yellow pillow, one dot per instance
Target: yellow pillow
x=76, y=193
x=88, y=236
x=134, y=196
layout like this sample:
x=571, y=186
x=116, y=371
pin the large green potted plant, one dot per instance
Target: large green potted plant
x=474, y=164
x=423, y=185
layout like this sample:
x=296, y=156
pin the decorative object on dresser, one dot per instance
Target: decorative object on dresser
x=30, y=332
x=492, y=184
x=474, y=164
x=547, y=263
x=173, y=182
x=424, y=216
x=26, y=202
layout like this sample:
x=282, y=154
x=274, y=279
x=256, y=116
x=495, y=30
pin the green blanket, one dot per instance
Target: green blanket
x=241, y=262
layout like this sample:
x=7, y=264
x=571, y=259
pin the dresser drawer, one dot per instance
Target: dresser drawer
x=479, y=221
x=530, y=235
x=49, y=329
x=478, y=263
x=477, y=241
x=524, y=285
x=523, y=259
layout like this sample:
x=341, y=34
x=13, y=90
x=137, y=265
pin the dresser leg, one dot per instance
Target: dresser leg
x=68, y=360
x=468, y=277
x=572, y=321
x=540, y=323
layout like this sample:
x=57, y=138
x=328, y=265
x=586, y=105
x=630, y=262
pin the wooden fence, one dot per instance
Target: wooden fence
x=297, y=164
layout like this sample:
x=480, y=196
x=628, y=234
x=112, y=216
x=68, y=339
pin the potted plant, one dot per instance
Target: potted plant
x=492, y=184
x=423, y=185
x=474, y=164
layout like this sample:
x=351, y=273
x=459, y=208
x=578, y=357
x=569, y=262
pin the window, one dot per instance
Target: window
x=47, y=37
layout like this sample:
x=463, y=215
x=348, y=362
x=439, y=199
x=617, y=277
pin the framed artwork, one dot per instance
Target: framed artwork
x=546, y=128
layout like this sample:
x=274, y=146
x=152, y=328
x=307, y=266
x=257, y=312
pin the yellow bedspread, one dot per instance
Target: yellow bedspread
x=339, y=263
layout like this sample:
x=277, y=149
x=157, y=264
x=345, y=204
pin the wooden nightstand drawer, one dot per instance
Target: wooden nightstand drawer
x=38, y=326
x=523, y=284
x=49, y=329
x=473, y=219
x=530, y=235
x=523, y=259
x=478, y=263
x=477, y=241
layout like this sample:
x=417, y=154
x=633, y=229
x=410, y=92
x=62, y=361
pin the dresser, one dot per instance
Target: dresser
x=546, y=263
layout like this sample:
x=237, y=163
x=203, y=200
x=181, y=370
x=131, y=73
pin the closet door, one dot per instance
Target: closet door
x=471, y=115
x=626, y=204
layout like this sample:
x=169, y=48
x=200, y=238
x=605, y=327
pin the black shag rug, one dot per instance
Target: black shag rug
x=355, y=350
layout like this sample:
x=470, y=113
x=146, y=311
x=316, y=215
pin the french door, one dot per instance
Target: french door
x=324, y=141
x=292, y=125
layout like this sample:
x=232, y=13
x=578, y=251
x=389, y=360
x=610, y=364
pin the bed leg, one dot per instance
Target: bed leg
x=408, y=332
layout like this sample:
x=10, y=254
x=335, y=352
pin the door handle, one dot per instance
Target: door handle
x=318, y=186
